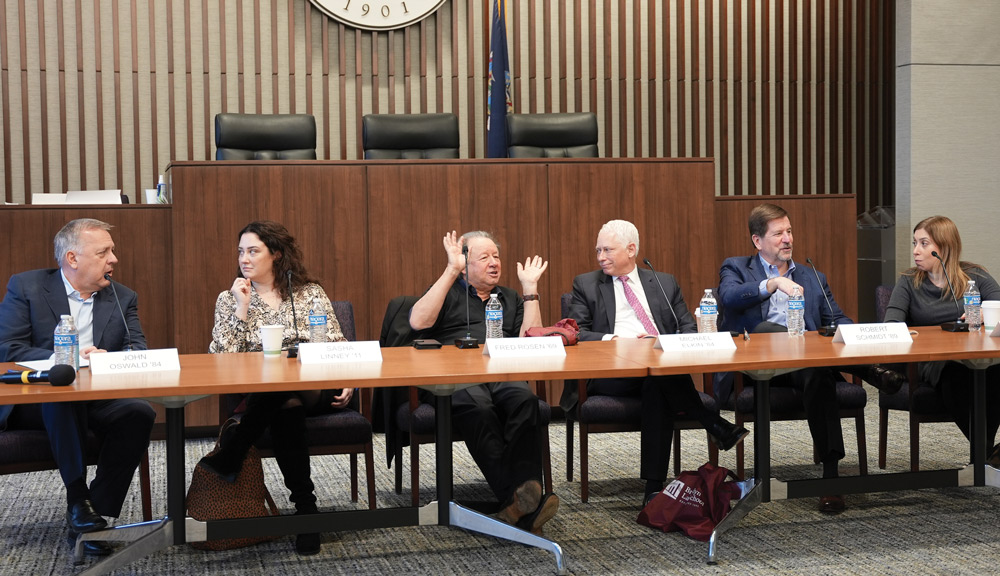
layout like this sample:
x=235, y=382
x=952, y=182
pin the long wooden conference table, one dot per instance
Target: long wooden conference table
x=448, y=369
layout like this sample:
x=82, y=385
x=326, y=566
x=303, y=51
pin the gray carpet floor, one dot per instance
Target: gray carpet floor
x=947, y=531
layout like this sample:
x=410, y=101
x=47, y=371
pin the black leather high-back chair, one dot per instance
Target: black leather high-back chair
x=346, y=431
x=265, y=137
x=607, y=414
x=922, y=402
x=410, y=421
x=409, y=136
x=561, y=135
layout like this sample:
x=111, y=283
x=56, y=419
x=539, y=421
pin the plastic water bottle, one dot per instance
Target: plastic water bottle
x=973, y=307
x=494, y=317
x=67, y=342
x=796, y=320
x=708, y=313
x=317, y=321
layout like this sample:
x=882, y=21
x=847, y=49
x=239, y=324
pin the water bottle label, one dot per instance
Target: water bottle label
x=494, y=315
x=709, y=310
x=972, y=300
x=65, y=339
x=796, y=304
x=317, y=319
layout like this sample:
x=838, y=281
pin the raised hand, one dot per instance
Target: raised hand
x=529, y=273
x=453, y=247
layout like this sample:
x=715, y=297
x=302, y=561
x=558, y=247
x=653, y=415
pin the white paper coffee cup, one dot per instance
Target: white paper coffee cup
x=991, y=313
x=270, y=339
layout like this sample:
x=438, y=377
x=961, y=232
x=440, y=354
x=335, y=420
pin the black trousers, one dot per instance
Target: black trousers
x=499, y=421
x=955, y=387
x=123, y=427
x=663, y=398
x=819, y=397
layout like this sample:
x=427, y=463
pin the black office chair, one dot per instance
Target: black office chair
x=265, y=137
x=410, y=421
x=609, y=414
x=565, y=135
x=409, y=136
x=922, y=402
x=346, y=431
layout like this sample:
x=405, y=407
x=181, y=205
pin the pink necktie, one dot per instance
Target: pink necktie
x=640, y=313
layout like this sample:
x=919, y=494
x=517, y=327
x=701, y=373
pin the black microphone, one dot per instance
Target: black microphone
x=128, y=333
x=58, y=375
x=468, y=341
x=664, y=292
x=293, y=350
x=830, y=329
x=958, y=325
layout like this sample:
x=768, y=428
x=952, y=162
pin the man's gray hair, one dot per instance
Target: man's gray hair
x=480, y=234
x=625, y=231
x=68, y=239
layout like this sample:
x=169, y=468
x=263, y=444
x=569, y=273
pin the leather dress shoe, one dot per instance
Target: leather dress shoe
x=726, y=435
x=649, y=498
x=533, y=522
x=91, y=547
x=525, y=500
x=886, y=380
x=82, y=518
x=831, y=504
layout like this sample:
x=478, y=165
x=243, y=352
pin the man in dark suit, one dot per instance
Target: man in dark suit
x=621, y=300
x=29, y=315
x=753, y=294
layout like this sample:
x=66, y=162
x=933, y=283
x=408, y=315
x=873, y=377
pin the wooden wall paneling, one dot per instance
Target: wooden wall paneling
x=823, y=229
x=669, y=201
x=412, y=206
x=142, y=236
x=321, y=204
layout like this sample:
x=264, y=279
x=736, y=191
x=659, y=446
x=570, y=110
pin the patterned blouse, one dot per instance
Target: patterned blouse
x=230, y=334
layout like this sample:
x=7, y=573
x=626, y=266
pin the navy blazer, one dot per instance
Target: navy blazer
x=30, y=313
x=742, y=307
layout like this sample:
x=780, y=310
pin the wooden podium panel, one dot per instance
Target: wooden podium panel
x=412, y=206
x=669, y=201
x=143, y=244
x=322, y=204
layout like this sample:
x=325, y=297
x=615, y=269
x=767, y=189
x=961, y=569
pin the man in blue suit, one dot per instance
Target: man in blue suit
x=29, y=315
x=753, y=293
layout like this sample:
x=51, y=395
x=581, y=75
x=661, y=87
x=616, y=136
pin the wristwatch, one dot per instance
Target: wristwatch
x=530, y=297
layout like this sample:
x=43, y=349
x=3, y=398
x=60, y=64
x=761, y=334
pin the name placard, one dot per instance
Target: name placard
x=540, y=347
x=891, y=332
x=162, y=360
x=339, y=352
x=689, y=342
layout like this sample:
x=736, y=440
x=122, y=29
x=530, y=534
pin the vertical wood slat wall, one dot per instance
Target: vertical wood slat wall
x=789, y=96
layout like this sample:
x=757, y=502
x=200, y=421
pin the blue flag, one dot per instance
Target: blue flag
x=498, y=100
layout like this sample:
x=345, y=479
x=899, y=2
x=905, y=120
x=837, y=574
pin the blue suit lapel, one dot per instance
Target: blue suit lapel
x=759, y=274
x=54, y=293
x=104, y=305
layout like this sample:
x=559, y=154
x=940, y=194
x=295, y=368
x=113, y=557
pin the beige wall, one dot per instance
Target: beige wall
x=948, y=83
x=789, y=97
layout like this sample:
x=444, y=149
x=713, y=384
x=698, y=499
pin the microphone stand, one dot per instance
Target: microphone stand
x=958, y=325
x=677, y=324
x=830, y=329
x=293, y=350
x=468, y=341
x=128, y=333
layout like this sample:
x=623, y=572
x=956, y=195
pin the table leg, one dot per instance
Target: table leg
x=157, y=535
x=453, y=514
x=979, y=440
x=762, y=438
